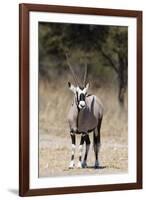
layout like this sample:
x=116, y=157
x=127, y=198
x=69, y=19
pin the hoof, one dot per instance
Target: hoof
x=96, y=166
x=79, y=166
x=84, y=164
x=71, y=165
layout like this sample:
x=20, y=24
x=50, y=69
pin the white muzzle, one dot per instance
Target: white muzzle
x=82, y=104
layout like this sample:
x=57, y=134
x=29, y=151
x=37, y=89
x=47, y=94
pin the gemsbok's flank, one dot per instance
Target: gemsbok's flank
x=85, y=116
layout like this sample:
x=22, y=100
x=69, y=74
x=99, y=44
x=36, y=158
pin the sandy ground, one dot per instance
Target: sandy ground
x=54, y=157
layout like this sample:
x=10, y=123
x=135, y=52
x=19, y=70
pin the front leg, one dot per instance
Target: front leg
x=87, y=140
x=73, y=140
x=81, y=150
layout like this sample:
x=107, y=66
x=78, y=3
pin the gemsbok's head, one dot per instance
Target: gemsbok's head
x=80, y=94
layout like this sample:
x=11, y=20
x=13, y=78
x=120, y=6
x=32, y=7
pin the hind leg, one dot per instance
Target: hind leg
x=96, y=146
x=96, y=142
x=87, y=140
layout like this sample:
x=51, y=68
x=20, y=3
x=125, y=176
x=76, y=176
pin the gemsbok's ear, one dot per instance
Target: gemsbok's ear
x=71, y=87
x=86, y=88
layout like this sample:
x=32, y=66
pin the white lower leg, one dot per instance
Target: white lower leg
x=80, y=156
x=72, y=162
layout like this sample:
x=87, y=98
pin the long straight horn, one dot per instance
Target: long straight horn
x=85, y=75
x=70, y=67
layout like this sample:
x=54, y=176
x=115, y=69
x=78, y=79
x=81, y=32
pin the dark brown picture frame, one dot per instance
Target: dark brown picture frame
x=24, y=188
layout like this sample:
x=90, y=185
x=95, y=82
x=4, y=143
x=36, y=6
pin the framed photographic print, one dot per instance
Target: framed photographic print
x=80, y=99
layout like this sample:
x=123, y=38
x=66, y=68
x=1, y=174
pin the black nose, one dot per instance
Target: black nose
x=82, y=97
x=82, y=106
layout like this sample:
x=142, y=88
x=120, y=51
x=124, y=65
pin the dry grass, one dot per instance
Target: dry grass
x=54, y=138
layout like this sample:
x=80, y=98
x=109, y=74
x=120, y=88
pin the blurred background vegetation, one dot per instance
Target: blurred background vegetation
x=103, y=48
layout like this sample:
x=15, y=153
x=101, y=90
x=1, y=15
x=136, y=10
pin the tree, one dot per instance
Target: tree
x=115, y=51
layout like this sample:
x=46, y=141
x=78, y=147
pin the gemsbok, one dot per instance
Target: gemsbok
x=85, y=116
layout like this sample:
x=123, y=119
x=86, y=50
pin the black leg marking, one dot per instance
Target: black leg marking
x=82, y=140
x=96, y=141
x=72, y=157
x=98, y=128
x=73, y=139
x=87, y=140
